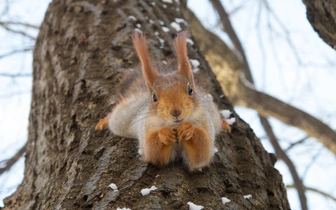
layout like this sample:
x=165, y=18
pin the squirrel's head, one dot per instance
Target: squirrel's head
x=173, y=95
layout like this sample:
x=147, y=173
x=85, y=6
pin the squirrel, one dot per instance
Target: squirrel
x=167, y=110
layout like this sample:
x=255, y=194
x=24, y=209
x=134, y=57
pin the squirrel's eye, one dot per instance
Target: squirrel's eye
x=190, y=91
x=154, y=97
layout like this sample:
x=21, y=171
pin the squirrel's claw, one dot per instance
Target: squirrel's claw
x=185, y=131
x=226, y=126
x=167, y=136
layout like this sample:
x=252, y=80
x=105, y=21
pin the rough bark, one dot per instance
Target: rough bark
x=227, y=68
x=322, y=16
x=82, y=50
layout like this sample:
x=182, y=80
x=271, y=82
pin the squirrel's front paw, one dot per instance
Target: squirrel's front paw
x=167, y=136
x=185, y=131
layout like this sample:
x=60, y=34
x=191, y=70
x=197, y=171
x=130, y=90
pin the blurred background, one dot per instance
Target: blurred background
x=287, y=60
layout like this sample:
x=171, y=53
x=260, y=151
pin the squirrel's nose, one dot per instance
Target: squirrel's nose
x=175, y=113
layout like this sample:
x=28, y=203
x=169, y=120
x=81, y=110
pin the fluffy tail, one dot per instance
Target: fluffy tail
x=139, y=42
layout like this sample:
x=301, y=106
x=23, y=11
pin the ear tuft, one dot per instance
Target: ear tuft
x=182, y=54
x=139, y=43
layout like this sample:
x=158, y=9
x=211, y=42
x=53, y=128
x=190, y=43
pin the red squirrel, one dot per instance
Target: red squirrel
x=167, y=110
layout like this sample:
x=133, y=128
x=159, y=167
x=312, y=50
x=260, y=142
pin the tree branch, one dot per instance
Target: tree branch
x=227, y=66
x=296, y=143
x=264, y=121
x=14, y=75
x=228, y=28
x=10, y=162
x=267, y=105
x=6, y=8
x=313, y=160
x=5, y=26
x=19, y=23
x=16, y=51
x=282, y=155
x=286, y=31
x=327, y=195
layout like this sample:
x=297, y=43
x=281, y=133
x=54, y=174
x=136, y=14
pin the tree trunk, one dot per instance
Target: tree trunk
x=82, y=50
x=322, y=16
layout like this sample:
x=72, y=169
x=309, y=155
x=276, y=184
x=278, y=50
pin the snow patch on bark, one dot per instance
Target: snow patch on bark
x=226, y=114
x=113, y=186
x=247, y=196
x=176, y=26
x=195, y=63
x=225, y=200
x=193, y=206
x=165, y=29
x=146, y=191
x=231, y=120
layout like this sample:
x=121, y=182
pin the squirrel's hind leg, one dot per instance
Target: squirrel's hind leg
x=102, y=124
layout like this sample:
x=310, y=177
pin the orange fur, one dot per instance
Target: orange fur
x=139, y=42
x=226, y=126
x=103, y=123
x=185, y=131
x=182, y=55
x=158, y=146
x=196, y=144
x=171, y=113
x=174, y=99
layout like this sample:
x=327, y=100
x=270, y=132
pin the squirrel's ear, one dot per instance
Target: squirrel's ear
x=182, y=56
x=139, y=42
